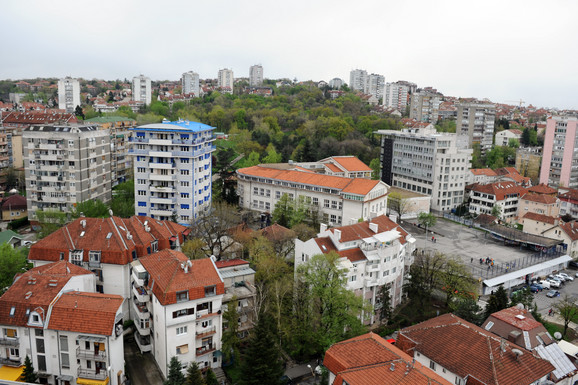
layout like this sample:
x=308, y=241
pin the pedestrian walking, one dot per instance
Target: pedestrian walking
x=550, y=312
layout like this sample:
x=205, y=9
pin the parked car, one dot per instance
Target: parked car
x=555, y=278
x=553, y=293
x=554, y=283
x=561, y=277
x=573, y=264
x=545, y=284
x=567, y=277
x=534, y=289
x=540, y=287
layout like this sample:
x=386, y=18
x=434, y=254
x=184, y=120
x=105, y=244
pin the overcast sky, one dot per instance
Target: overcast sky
x=503, y=50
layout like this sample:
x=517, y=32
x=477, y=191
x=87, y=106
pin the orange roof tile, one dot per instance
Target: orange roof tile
x=351, y=163
x=540, y=218
x=542, y=189
x=570, y=195
x=167, y=277
x=276, y=232
x=92, y=313
x=540, y=198
x=571, y=229
x=230, y=262
x=333, y=167
x=361, y=230
x=500, y=189
x=518, y=318
x=483, y=171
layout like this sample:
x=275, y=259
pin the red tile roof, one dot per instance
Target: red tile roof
x=518, y=318
x=351, y=163
x=483, y=171
x=230, y=262
x=540, y=198
x=542, y=189
x=361, y=230
x=167, y=277
x=92, y=313
x=571, y=229
x=276, y=232
x=570, y=195
x=110, y=236
x=14, y=202
x=540, y=218
x=38, y=117
x=500, y=189
x=333, y=167
x=371, y=360
x=358, y=186
x=470, y=351
x=35, y=289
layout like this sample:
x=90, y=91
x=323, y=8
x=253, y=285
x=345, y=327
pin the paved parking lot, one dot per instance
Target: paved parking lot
x=569, y=289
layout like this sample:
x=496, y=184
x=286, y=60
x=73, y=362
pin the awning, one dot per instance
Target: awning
x=89, y=381
x=65, y=377
x=11, y=373
x=217, y=353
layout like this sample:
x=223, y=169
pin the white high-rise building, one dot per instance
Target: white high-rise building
x=357, y=80
x=172, y=169
x=65, y=165
x=190, y=83
x=427, y=162
x=68, y=94
x=476, y=121
x=141, y=89
x=226, y=80
x=425, y=106
x=374, y=85
x=256, y=76
x=397, y=95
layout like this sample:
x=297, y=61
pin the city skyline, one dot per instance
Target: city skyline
x=500, y=51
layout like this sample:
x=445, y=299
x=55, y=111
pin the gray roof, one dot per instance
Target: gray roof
x=527, y=270
x=558, y=358
x=236, y=273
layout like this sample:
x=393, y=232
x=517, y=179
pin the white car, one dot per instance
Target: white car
x=567, y=277
x=545, y=284
x=560, y=277
x=554, y=283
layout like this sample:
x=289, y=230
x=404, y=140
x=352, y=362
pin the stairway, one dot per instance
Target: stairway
x=220, y=376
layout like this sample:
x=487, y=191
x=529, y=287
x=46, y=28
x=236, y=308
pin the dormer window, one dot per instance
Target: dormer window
x=76, y=257
x=182, y=296
x=210, y=291
x=155, y=246
x=94, y=256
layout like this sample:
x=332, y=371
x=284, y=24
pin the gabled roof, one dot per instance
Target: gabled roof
x=468, y=350
x=167, y=277
x=571, y=229
x=276, y=232
x=542, y=188
x=571, y=194
x=14, y=202
x=358, y=186
x=540, y=198
x=540, y=218
x=499, y=189
x=230, y=262
x=349, y=163
x=91, y=313
x=362, y=230
x=7, y=235
x=518, y=318
x=371, y=360
x=483, y=171
x=35, y=289
x=37, y=117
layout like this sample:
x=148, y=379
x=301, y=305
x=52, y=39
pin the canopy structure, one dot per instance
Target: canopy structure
x=89, y=381
x=11, y=373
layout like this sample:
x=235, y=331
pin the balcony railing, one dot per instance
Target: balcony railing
x=206, y=332
x=9, y=341
x=91, y=354
x=141, y=311
x=10, y=361
x=144, y=343
x=94, y=374
x=205, y=349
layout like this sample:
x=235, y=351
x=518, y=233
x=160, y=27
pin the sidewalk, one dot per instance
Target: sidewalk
x=301, y=374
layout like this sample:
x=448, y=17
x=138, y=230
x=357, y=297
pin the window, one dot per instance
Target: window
x=184, y=172
x=142, y=204
x=432, y=365
x=353, y=278
x=326, y=203
x=210, y=291
x=40, y=345
x=181, y=330
x=277, y=194
x=141, y=192
x=64, y=358
x=315, y=201
x=183, y=312
x=182, y=296
x=184, y=184
x=94, y=256
x=183, y=349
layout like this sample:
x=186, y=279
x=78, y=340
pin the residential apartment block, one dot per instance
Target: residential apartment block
x=339, y=200
x=569, y=202
x=426, y=162
x=68, y=94
x=542, y=204
x=504, y=195
x=357, y=79
x=559, y=157
x=65, y=165
x=172, y=169
x=190, y=83
x=141, y=89
x=373, y=253
x=226, y=80
x=256, y=76
x=476, y=121
x=49, y=314
x=425, y=106
x=106, y=247
x=397, y=95
x=178, y=303
x=335, y=83
x=503, y=137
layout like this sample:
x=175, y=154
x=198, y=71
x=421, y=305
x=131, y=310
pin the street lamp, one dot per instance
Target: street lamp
x=310, y=368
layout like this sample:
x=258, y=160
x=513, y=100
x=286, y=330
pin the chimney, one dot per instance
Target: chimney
x=322, y=228
x=373, y=227
x=338, y=235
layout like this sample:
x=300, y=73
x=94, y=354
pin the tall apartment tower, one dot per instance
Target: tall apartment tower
x=357, y=80
x=374, y=85
x=425, y=106
x=426, y=162
x=141, y=89
x=256, y=76
x=476, y=121
x=68, y=94
x=190, y=83
x=397, y=95
x=559, y=158
x=65, y=165
x=335, y=83
x=226, y=79
x=172, y=169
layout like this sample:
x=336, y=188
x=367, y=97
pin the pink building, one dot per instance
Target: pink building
x=559, y=159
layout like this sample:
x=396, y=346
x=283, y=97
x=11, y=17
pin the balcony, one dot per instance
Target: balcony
x=167, y=166
x=163, y=201
x=153, y=176
x=144, y=343
x=370, y=268
x=143, y=329
x=160, y=142
x=206, y=349
x=141, y=311
x=91, y=354
x=162, y=213
x=9, y=341
x=10, y=361
x=139, y=275
x=206, y=332
x=140, y=294
x=92, y=374
x=167, y=189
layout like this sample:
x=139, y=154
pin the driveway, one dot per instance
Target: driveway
x=141, y=368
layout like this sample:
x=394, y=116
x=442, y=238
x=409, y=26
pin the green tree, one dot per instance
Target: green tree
x=194, y=375
x=567, y=310
x=122, y=203
x=498, y=301
x=427, y=219
x=211, y=378
x=375, y=165
x=525, y=140
x=12, y=262
x=194, y=248
x=175, y=375
x=78, y=112
x=93, y=208
x=468, y=309
x=50, y=221
x=456, y=279
x=230, y=340
x=384, y=295
x=524, y=296
x=497, y=211
x=283, y=211
x=272, y=155
x=28, y=374
x=424, y=277
x=513, y=143
x=262, y=359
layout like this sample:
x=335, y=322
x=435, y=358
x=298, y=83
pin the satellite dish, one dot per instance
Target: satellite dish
x=558, y=335
x=13, y=191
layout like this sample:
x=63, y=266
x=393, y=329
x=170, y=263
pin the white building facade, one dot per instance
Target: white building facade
x=256, y=76
x=426, y=162
x=172, y=169
x=68, y=94
x=141, y=89
x=190, y=83
x=476, y=121
x=396, y=95
x=226, y=80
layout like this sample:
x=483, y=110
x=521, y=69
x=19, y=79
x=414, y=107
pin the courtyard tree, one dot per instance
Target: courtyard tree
x=498, y=301
x=568, y=311
x=230, y=340
x=175, y=375
x=28, y=374
x=397, y=203
x=12, y=262
x=194, y=375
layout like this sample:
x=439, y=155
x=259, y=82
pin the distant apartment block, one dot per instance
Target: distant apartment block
x=336, y=83
x=397, y=95
x=256, y=76
x=374, y=85
x=226, y=80
x=476, y=121
x=65, y=165
x=141, y=89
x=68, y=94
x=503, y=137
x=568, y=202
x=190, y=83
x=559, y=157
x=425, y=106
x=357, y=80
x=505, y=195
x=426, y=162
x=172, y=169
x=528, y=161
x=339, y=200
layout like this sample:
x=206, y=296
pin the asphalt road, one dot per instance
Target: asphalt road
x=141, y=368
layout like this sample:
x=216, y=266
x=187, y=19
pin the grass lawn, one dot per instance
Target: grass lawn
x=553, y=328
